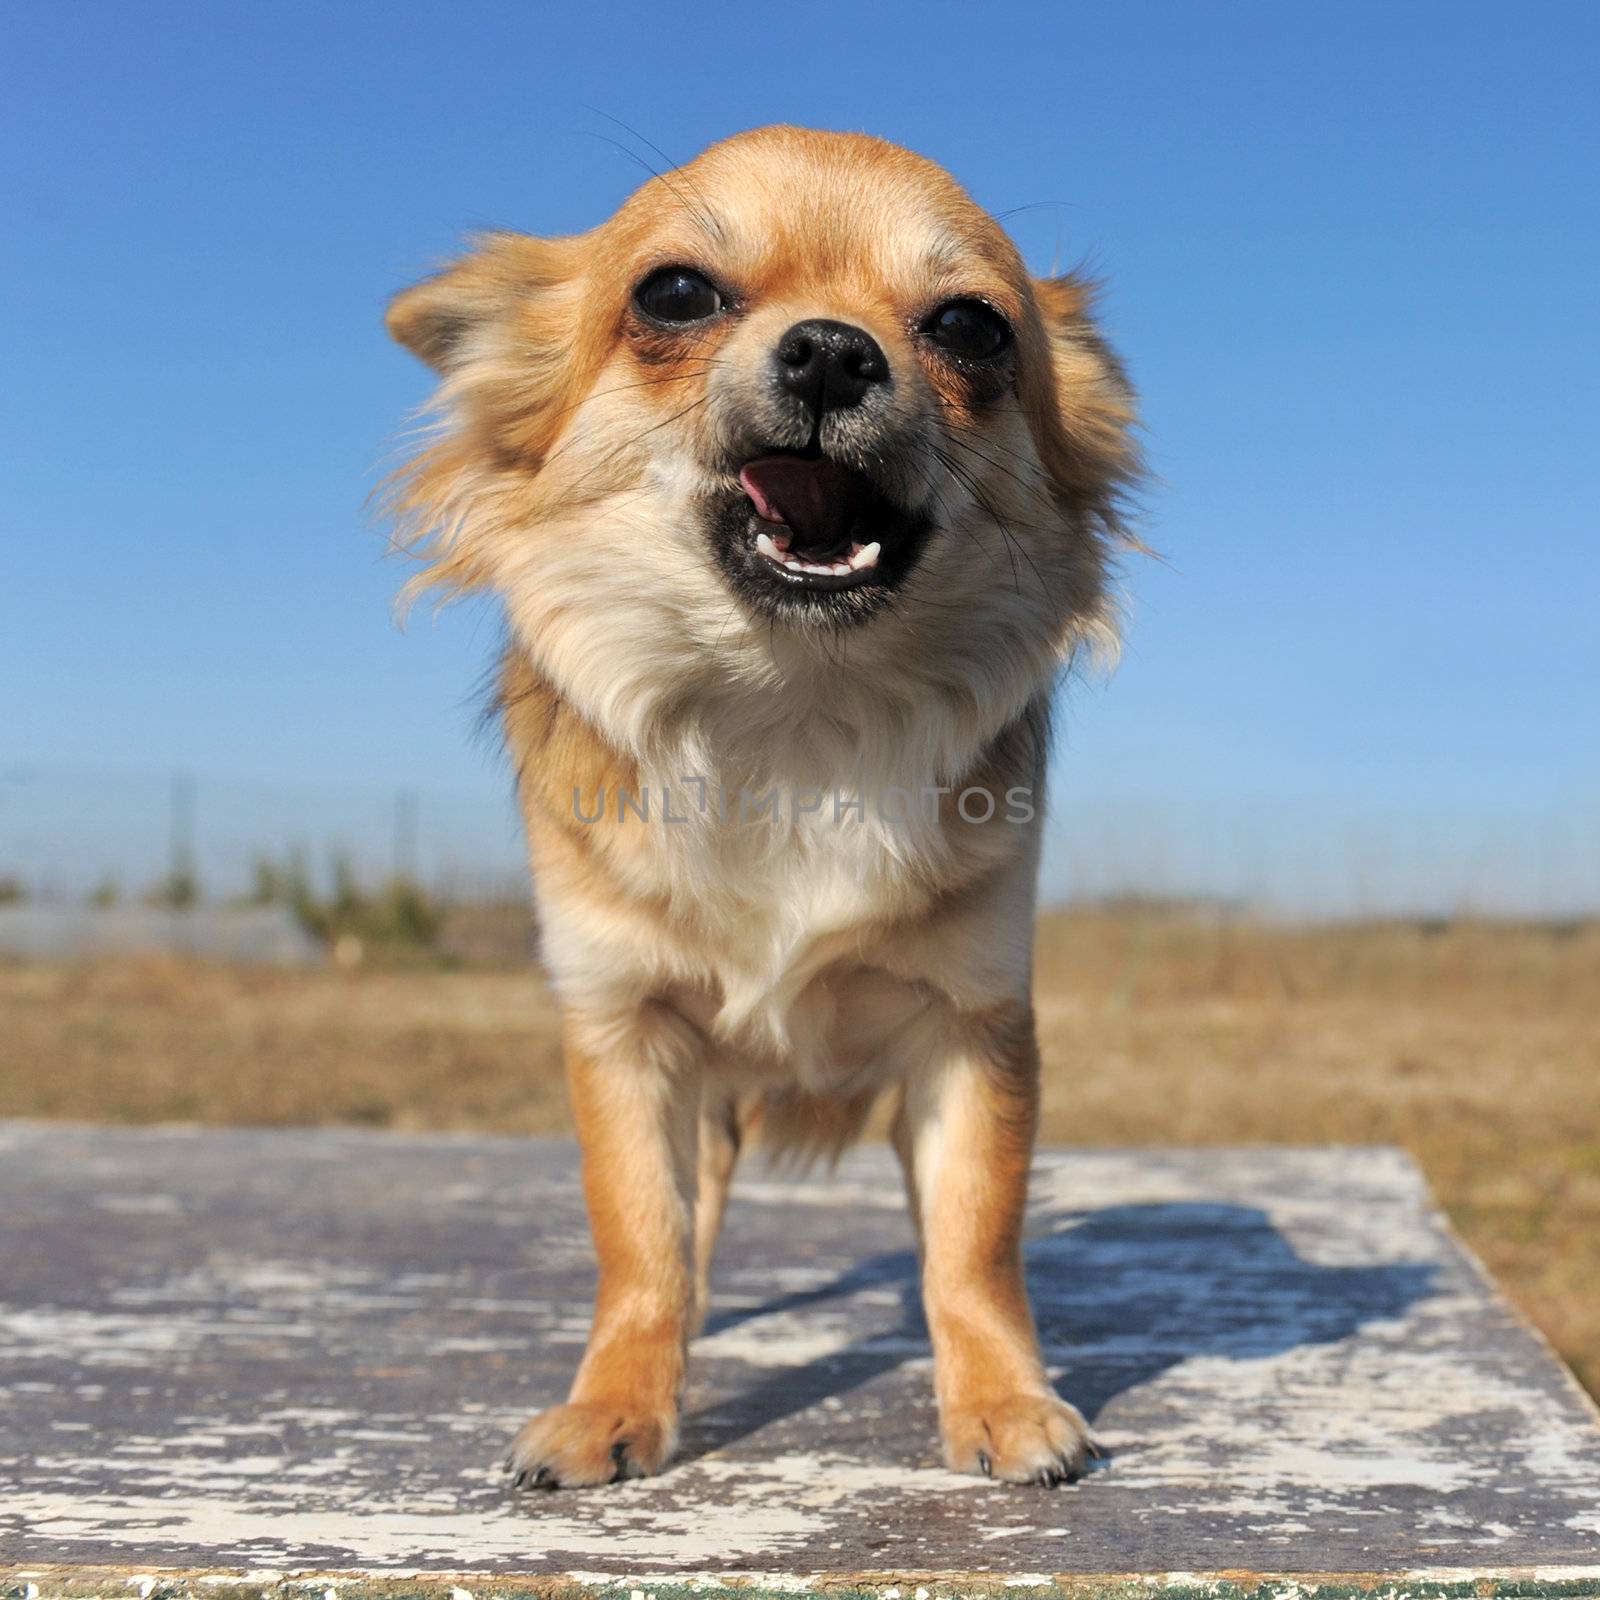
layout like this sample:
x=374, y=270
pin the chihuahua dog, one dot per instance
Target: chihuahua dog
x=798, y=492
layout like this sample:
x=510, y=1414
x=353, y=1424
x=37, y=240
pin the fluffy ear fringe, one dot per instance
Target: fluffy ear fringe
x=429, y=503
x=436, y=319
x=425, y=320
x=1088, y=440
x=511, y=292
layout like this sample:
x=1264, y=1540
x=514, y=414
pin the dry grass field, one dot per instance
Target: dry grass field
x=1474, y=1045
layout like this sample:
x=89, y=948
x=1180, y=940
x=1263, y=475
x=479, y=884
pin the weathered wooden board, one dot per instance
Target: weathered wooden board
x=267, y=1353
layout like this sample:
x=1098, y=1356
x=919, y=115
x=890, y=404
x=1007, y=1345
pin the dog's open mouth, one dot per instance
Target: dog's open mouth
x=823, y=519
x=805, y=533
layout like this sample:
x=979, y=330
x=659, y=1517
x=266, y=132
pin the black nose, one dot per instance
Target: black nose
x=829, y=365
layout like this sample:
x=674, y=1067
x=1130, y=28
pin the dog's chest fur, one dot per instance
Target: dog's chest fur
x=789, y=920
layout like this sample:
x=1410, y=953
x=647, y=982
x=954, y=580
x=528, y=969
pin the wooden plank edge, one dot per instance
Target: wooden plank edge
x=59, y=1582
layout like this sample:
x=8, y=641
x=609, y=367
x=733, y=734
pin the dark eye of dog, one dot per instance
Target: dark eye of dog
x=677, y=294
x=968, y=329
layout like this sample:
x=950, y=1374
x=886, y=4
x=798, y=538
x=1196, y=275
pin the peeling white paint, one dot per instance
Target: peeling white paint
x=1305, y=1361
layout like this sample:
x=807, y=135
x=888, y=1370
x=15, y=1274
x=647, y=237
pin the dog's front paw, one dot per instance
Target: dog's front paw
x=574, y=1446
x=1019, y=1438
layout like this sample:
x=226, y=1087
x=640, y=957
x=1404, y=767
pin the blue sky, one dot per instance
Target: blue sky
x=1351, y=253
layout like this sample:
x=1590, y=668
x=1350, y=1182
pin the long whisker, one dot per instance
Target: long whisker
x=646, y=383
x=945, y=517
x=702, y=212
x=622, y=449
x=963, y=475
x=999, y=466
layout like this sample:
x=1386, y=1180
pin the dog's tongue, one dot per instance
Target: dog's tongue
x=815, y=499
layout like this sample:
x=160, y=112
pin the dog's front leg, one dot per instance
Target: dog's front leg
x=635, y=1092
x=965, y=1133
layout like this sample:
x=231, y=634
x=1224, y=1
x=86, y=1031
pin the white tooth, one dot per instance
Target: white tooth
x=767, y=548
x=866, y=556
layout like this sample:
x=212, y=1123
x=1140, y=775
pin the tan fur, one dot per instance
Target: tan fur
x=721, y=978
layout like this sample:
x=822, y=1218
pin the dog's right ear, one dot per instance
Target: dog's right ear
x=502, y=327
x=506, y=329
x=466, y=310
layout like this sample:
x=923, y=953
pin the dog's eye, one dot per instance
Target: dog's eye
x=968, y=329
x=676, y=294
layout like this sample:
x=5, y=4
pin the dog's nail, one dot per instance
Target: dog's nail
x=619, y=1459
x=520, y=1479
x=984, y=1464
x=1094, y=1447
x=544, y=1478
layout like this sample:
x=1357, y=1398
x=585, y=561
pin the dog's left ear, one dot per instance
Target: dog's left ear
x=1081, y=403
